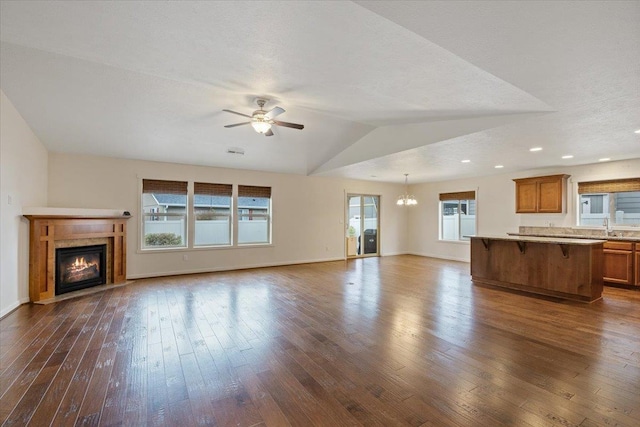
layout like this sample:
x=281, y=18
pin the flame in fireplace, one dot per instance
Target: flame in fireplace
x=81, y=264
x=81, y=269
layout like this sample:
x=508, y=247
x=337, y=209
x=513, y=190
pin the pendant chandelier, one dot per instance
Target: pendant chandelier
x=406, y=199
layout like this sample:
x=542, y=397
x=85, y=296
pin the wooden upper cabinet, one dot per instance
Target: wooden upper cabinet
x=541, y=194
x=526, y=197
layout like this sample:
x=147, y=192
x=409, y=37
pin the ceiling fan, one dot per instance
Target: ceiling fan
x=262, y=120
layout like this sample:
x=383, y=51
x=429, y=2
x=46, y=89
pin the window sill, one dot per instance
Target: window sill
x=457, y=242
x=204, y=248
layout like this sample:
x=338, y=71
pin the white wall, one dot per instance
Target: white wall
x=23, y=182
x=496, y=205
x=308, y=212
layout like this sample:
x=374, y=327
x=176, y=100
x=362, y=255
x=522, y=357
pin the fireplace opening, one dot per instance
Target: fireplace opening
x=80, y=267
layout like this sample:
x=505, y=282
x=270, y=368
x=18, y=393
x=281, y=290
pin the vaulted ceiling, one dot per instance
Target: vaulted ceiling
x=383, y=88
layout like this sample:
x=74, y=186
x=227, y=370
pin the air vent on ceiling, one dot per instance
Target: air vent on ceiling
x=235, y=150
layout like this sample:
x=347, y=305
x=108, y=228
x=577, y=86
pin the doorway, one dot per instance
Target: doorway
x=363, y=225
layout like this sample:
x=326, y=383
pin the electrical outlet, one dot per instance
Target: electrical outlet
x=9, y=199
x=185, y=257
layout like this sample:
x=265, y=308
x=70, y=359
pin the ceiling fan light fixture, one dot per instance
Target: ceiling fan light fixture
x=260, y=125
x=406, y=199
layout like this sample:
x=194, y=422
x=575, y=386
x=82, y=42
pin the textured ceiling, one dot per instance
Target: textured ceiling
x=383, y=88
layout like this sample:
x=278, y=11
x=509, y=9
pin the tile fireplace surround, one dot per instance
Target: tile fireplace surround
x=49, y=231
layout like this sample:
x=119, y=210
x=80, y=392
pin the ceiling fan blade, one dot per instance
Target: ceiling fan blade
x=237, y=124
x=275, y=111
x=288, y=125
x=269, y=133
x=235, y=112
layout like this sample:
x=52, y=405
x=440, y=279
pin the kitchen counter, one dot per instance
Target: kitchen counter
x=574, y=236
x=560, y=240
x=569, y=268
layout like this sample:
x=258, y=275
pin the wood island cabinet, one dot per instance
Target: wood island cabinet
x=559, y=267
x=541, y=194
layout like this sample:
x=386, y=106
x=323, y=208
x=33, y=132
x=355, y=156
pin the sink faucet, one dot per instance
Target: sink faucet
x=607, y=228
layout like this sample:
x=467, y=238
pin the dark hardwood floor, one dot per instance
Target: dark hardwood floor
x=400, y=340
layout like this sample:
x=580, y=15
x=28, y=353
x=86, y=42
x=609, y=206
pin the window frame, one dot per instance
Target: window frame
x=246, y=192
x=228, y=215
x=190, y=221
x=608, y=188
x=609, y=212
x=459, y=198
x=185, y=232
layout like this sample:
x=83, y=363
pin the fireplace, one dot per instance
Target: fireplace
x=80, y=267
x=52, y=231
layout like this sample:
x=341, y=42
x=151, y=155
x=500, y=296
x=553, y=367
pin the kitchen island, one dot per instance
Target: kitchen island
x=559, y=267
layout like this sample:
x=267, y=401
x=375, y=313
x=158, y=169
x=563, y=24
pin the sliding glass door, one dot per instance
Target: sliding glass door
x=363, y=219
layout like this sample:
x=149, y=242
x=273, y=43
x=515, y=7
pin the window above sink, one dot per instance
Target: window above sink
x=609, y=203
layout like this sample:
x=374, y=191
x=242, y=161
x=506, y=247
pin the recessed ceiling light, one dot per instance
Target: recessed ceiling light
x=604, y=159
x=498, y=166
x=637, y=131
x=465, y=161
x=568, y=156
x=535, y=149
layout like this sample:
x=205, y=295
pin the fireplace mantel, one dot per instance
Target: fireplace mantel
x=47, y=230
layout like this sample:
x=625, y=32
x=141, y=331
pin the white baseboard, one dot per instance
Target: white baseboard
x=439, y=256
x=394, y=253
x=13, y=306
x=231, y=268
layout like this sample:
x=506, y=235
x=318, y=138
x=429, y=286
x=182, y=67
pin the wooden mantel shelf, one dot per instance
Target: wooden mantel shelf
x=72, y=212
x=75, y=217
x=49, y=230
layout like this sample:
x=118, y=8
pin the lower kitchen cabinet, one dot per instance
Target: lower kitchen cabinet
x=619, y=263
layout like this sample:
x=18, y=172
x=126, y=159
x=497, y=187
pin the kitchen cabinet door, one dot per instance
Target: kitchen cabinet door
x=618, y=266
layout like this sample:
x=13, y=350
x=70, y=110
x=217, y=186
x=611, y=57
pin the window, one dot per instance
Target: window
x=457, y=215
x=164, y=206
x=254, y=209
x=613, y=202
x=165, y=223
x=212, y=212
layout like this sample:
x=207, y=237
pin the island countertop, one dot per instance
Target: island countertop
x=573, y=236
x=542, y=239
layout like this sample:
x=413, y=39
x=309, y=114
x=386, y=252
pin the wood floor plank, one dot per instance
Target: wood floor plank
x=93, y=403
x=51, y=401
x=262, y=399
x=19, y=400
x=72, y=400
x=15, y=336
x=399, y=340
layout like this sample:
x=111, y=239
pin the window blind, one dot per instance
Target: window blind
x=164, y=187
x=208, y=189
x=610, y=186
x=254, y=191
x=460, y=195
